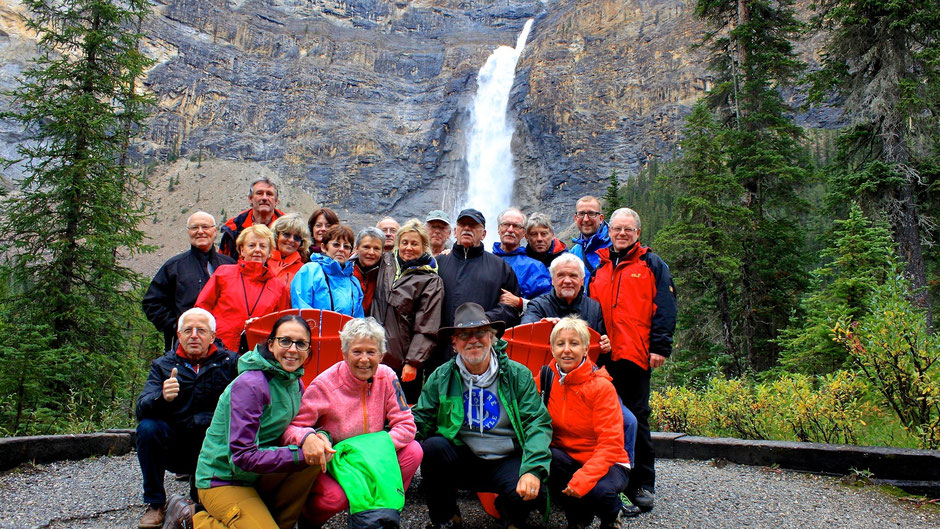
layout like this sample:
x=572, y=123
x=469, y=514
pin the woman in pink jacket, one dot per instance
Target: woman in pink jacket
x=358, y=395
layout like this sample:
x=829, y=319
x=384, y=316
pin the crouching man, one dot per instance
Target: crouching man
x=177, y=404
x=483, y=425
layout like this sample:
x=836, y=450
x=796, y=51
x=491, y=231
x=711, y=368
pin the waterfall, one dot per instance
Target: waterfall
x=489, y=158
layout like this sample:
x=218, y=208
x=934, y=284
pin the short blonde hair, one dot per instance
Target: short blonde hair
x=293, y=223
x=255, y=229
x=416, y=226
x=572, y=323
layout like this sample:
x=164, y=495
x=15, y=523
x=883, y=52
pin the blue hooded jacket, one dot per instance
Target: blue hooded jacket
x=586, y=249
x=534, y=279
x=325, y=284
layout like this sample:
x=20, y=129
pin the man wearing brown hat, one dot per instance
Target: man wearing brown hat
x=482, y=424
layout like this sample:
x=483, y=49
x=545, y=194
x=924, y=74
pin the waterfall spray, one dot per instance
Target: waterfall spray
x=489, y=158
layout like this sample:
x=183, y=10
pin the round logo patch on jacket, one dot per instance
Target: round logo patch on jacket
x=483, y=403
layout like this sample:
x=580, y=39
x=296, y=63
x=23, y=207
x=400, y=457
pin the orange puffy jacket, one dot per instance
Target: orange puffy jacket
x=587, y=423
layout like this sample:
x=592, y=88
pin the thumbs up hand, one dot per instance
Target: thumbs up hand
x=171, y=387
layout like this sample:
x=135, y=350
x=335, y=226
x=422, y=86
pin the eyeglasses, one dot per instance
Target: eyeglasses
x=285, y=342
x=588, y=214
x=510, y=225
x=198, y=227
x=337, y=245
x=297, y=238
x=198, y=331
x=476, y=333
x=620, y=229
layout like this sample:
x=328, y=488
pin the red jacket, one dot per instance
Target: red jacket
x=284, y=269
x=240, y=291
x=367, y=280
x=638, y=300
x=234, y=226
x=587, y=423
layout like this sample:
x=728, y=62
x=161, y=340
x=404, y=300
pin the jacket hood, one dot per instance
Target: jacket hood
x=332, y=267
x=424, y=263
x=260, y=359
x=498, y=250
x=594, y=242
x=584, y=372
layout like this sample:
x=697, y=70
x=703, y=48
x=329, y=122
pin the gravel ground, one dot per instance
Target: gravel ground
x=105, y=493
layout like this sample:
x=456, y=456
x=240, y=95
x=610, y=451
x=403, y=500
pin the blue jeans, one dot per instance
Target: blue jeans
x=629, y=431
x=162, y=447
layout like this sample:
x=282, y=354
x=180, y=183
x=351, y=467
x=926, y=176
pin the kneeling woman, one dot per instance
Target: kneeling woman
x=589, y=464
x=355, y=396
x=244, y=478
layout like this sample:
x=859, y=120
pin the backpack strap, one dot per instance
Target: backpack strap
x=546, y=377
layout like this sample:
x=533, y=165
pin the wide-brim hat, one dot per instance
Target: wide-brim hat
x=470, y=316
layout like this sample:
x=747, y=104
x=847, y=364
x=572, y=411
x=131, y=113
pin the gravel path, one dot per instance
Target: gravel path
x=105, y=493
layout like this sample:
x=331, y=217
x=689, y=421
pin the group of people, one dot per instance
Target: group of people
x=424, y=379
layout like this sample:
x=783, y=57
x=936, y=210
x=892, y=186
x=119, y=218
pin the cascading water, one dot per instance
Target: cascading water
x=489, y=158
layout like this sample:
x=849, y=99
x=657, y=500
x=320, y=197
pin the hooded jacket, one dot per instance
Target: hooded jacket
x=408, y=304
x=551, y=306
x=440, y=410
x=238, y=292
x=242, y=441
x=233, y=228
x=557, y=248
x=638, y=300
x=587, y=423
x=344, y=406
x=284, y=268
x=199, y=392
x=586, y=248
x=176, y=286
x=533, y=277
x=325, y=284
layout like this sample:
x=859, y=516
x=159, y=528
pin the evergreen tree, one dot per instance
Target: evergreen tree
x=752, y=56
x=703, y=245
x=76, y=217
x=859, y=259
x=882, y=61
x=612, y=200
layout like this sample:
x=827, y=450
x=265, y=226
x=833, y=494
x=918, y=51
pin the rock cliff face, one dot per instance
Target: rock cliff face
x=364, y=104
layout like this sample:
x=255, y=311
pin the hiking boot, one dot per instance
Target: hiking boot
x=628, y=510
x=179, y=513
x=152, y=518
x=456, y=522
x=644, y=499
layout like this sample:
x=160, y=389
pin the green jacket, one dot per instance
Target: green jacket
x=243, y=439
x=366, y=466
x=440, y=409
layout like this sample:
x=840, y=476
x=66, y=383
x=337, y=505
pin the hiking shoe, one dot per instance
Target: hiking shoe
x=456, y=522
x=628, y=510
x=644, y=499
x=152, y=518
x=179, y=512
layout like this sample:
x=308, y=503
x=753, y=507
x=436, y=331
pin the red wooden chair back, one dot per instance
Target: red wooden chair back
x=528, y=345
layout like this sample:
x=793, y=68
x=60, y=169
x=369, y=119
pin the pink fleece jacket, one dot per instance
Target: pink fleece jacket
x=345, y=406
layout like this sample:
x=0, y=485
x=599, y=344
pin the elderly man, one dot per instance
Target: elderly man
x=541, y=243
x=178, y=282
x=177, y=404
x=438, y=225
x=593, y=235
x=483, y=425
x=389, y=227
x=472, y=274
x=532, y=275
x=262, y=195
x=638, y=299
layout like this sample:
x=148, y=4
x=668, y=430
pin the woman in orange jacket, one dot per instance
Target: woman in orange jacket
x=590, y=467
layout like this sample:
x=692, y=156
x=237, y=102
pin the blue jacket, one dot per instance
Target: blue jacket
x=586, y=249
x=325, y=284
x=534, y=279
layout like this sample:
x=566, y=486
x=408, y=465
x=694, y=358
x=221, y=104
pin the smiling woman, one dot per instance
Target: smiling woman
x=327, y=281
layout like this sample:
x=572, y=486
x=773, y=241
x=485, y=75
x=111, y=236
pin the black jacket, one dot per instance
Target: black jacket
x=199, y=393
x=472, y=274
x=176, y=286
x=551, y=306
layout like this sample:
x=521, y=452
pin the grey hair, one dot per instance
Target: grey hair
x=626, y=211
x=196, y=310
x=539, y=219
x=499, y=218
x=211, y=216
x=565, y=258
x=266, y=180
x=362, y=329
x=370, y=231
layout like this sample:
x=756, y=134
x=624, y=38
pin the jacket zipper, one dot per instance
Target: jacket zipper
x=365, y=414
